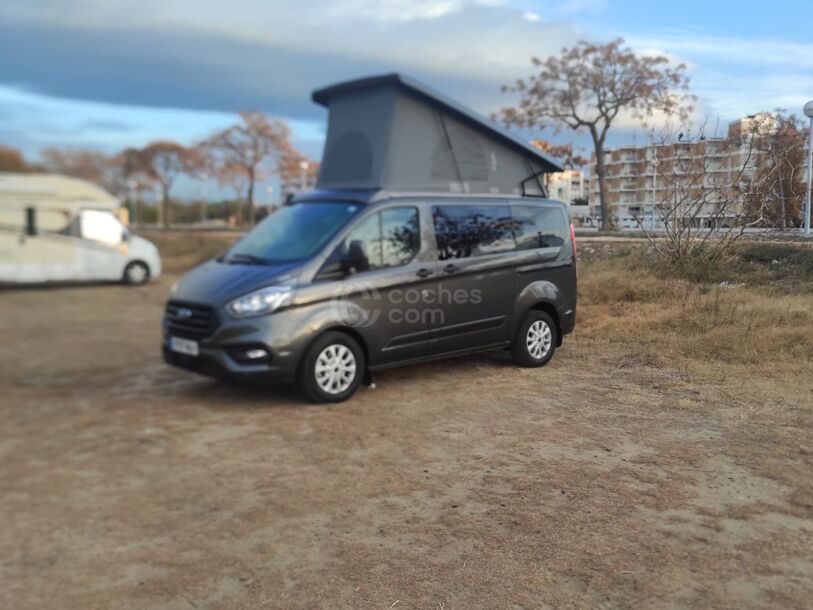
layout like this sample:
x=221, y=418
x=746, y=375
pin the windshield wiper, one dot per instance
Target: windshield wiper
x=248, y=259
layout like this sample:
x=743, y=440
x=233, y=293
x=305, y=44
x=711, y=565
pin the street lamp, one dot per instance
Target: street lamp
x=132, y=188
x=303, y=176
x=808, y=110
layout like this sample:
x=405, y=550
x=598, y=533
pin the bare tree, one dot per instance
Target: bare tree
x=250, y=146
x=235, y=178
x=586, y=88
x=703, y=184
x=777, y=200
x=164, y=161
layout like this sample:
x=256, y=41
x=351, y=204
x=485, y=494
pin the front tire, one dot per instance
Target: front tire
x=136, y=274
x=332, y=368
x=536, y=340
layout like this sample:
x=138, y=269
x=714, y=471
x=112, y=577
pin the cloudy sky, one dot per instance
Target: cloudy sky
x=110, y=73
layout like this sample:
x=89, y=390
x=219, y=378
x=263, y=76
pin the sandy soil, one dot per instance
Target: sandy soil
x=597, y=482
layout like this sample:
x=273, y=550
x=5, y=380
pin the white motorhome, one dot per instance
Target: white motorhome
x=61, y=229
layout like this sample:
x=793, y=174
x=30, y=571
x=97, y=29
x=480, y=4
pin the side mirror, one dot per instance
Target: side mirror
x=356, y=258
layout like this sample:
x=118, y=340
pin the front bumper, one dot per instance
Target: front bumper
x=220, y=354
x=218, y=363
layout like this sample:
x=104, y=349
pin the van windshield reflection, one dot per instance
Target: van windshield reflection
x=293, y=232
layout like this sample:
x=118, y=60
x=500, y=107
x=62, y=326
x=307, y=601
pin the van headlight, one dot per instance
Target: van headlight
x=260, y=302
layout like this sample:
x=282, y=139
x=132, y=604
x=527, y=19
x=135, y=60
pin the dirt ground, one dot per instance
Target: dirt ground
x=600, y=481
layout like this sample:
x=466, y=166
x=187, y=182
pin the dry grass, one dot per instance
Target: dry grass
x=182, y=250
x=713, y=333
x=662, y=460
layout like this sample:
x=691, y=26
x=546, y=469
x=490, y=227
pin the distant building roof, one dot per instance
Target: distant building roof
x=443, y=103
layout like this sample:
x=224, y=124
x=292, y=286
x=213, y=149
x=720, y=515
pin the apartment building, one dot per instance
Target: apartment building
x=642, y=181
x=569, y=186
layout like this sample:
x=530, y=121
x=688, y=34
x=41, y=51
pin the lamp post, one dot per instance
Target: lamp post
x=303, y=176
x=132, y=194
x=808, y=110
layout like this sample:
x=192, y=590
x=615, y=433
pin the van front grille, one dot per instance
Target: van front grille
x=190, y=320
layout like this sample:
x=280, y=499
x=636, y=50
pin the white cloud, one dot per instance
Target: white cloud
x=272, y=53
x=395, y=10
x=736, y=76
x=751, y=52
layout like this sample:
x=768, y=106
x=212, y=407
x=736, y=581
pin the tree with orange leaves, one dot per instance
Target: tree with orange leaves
x=164, y=161
x=250, y=147
x=586, y=87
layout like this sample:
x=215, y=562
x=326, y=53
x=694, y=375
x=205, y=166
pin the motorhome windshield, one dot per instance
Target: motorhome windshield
x=292, y=232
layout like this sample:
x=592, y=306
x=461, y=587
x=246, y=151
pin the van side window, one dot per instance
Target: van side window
x=463, y=231
x=401, y=236
x=539, y=227
x=54, y=221
x=366, y=238
x=389, y=238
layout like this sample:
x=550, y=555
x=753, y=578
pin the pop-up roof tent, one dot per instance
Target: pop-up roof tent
x=391, y=132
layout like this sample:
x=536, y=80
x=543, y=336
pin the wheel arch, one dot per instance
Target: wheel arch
x=541, y=295
x=346, y=330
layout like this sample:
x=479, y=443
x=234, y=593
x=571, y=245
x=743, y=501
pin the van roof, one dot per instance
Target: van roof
x=53, y=189
x=369, y=197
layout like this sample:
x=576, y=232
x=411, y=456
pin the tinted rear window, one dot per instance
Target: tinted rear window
x=463, y=231
x=538, y=226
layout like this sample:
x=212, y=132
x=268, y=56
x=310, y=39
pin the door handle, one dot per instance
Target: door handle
x=451, y=268
x=423, y=272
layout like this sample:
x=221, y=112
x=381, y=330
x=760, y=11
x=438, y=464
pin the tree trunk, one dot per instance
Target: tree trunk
x=606, y=216
x=166, y=212
x=782, y=213
x=250, y=198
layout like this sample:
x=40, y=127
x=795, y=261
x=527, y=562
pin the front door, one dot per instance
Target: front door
x=101, y=249
x=382, y=279
x=473, y=291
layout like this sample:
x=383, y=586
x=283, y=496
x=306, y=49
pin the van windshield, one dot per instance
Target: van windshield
x=292, y=232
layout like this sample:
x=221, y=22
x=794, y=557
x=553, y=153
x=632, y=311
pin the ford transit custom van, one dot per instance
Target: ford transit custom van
x=429, y=235
x=334, y=286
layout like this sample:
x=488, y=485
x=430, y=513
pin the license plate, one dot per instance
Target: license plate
x=183, y=346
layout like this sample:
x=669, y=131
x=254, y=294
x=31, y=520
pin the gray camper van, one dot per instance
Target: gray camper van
x=428, y=236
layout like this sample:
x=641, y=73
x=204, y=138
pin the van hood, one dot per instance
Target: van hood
x=139, y=244
x=139, y=248
x=216, y=283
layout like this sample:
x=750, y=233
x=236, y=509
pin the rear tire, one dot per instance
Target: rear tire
x=536, y=340
x=332, y=369
x=136, y=274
